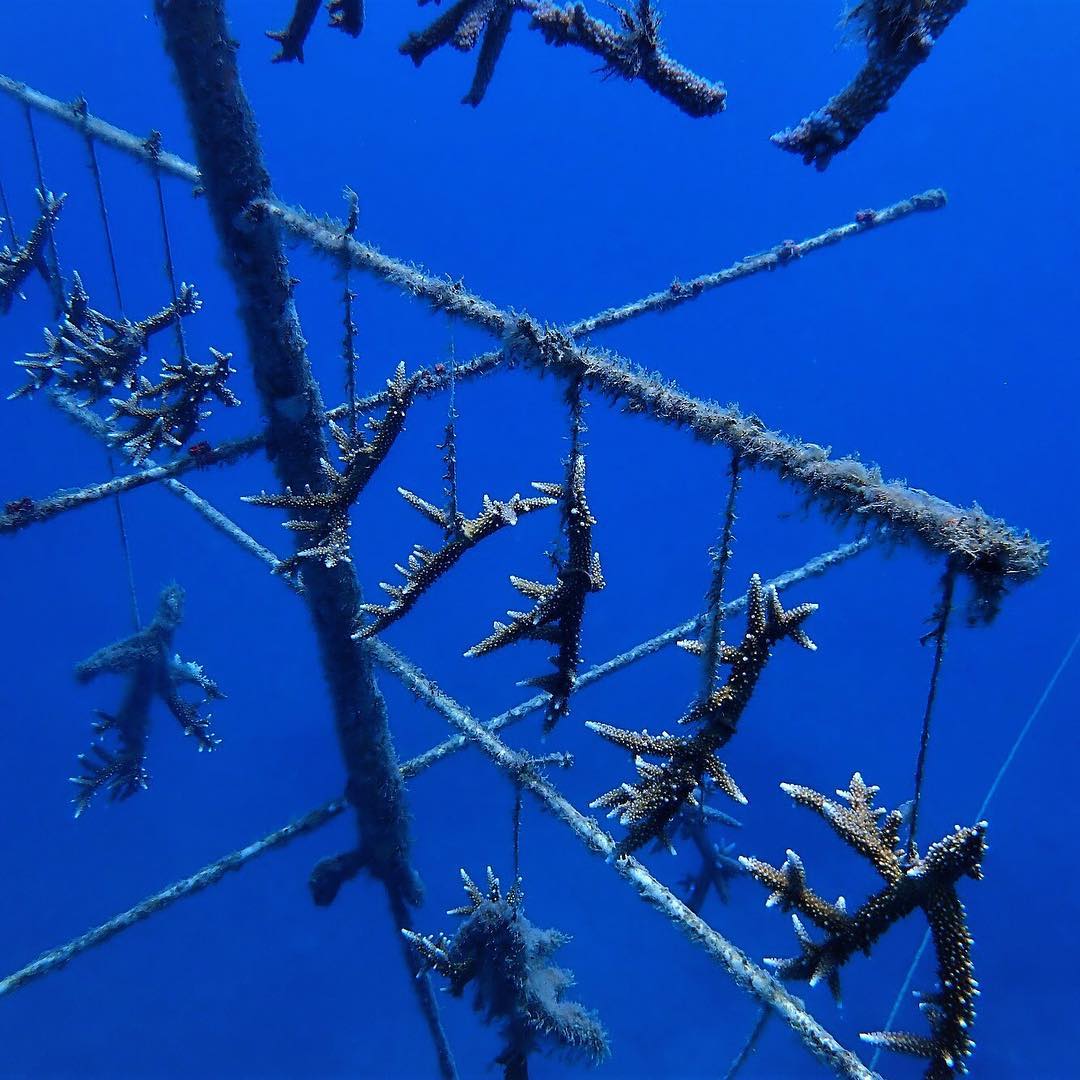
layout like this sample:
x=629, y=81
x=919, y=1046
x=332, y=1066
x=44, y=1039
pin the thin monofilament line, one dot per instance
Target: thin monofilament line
x=103, y=210
x=980, y=815
x=125, y=549
x=170, y=270
x=941, y=619
x=715, y=599
x=5, y=212
x=748, y=1047
x=56, y=283
x=450, y=442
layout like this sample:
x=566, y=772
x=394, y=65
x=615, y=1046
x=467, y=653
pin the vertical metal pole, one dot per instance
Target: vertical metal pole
x=203, y=52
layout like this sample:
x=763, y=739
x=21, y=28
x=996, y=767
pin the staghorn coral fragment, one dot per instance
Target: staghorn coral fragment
x=93, y=355
x=650, y=806
x=633, y=51
x=17, y=262
x=425, y=567
x=463, y=25
x=508, y=960
x=912, y=882
x=153, y=670
x=559, y=608
x=327, y=510
x=899, y=35
x=182, y=394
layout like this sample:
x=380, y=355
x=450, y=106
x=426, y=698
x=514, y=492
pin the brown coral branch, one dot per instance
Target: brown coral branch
x=911, y=882
x=650, y=806
x=634, y=51
x=425, y=567
x=325, y=512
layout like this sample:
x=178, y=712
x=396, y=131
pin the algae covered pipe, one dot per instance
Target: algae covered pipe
x=203, y=53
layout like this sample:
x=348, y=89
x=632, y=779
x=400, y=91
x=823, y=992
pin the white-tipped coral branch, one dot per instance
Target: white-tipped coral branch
x=746, y=975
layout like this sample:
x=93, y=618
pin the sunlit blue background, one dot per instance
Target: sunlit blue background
x=943, y=348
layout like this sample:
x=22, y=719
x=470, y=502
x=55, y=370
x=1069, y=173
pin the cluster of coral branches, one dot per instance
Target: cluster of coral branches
x=91, y=357
x=898, y=36
x=927, y=883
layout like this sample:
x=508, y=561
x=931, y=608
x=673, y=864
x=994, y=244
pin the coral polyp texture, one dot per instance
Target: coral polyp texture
x=911, y=882
x=93, y=355
x=899, y=35
x=507, y=960
x=425, y=567
x=326, y=510
x=559, y=607
x=152, y=671
x=170, y=411
x=649, y=806
x=631, y=50
x=16, y=262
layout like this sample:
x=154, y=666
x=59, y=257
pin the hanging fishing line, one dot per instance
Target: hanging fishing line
x=153, y=146
x=56, y=283
x=937, y=635
x=1010, y=757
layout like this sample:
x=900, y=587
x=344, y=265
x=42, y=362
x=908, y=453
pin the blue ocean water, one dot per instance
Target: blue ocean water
x=941, y=347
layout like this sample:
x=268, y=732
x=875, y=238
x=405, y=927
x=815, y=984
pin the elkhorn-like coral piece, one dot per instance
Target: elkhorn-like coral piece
x=635, y=50
x=649, y=806
x=425, y=567
x=103, y=353
x=182, y=393
x=927, y=882
x=509, y=961
x=152, y=670
x=16, y=263
x=899, y=35
x=560, y=608
x=327, y=511
x=462, y=25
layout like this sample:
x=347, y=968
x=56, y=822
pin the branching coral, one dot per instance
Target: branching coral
x=650, y=806
x=346, y=15
x=508, y=960
x=153, y=670
x=425, y=567
x=182, y=394
x=899, y=35
x=17, y=262
x=633, y=51
x=91, y=354
x=463, y=25
x=327, y=511
x=560, y=607
x=911, y=882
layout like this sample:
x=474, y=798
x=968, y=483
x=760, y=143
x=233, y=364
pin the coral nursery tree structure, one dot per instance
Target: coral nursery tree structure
x=94, y=356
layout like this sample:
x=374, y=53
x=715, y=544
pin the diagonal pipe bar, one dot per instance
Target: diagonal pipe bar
x=97, y=129
x=57, y=958
x=200, y=45
x=745, y=973
x=990, y=552
x=24, y=512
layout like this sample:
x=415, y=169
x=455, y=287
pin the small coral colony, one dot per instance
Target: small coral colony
x=94, y=360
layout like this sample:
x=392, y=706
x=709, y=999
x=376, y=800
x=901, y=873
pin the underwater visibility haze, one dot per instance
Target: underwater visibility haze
x=539, y=539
